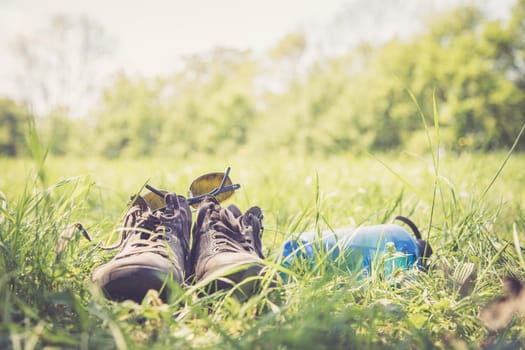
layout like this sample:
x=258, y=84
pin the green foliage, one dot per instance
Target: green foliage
x=207, y=108
x=13, y=120
x=130, y=119
x=61, y=132
x=291, y=45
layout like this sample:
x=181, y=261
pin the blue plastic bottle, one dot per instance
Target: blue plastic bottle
x=308, y=245
x=387, y=247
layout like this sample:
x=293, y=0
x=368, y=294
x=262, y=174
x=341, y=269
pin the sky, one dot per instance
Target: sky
x=150, y=36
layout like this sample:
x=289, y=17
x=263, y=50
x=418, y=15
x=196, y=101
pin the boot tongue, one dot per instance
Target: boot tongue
x=137, y=200
x=139, y=234
x=144, y=235
x=146, y=228
x=251, y=222
x=172, y=204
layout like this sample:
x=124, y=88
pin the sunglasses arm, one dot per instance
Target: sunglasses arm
x=214, y=192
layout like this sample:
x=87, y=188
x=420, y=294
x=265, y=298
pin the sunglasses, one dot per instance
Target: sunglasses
x=218, y=185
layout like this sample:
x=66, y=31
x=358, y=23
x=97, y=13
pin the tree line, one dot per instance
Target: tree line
x=468, y=70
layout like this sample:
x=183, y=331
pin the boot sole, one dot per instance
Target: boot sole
x=244, y=288
x=133, y=282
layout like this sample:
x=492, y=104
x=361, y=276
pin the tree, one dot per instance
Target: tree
x=129, y=119
x=13, y=117
x=60, y=64
x=287, y=55
x=213, y=103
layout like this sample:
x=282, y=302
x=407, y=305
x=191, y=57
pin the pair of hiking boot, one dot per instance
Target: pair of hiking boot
x=226, y=248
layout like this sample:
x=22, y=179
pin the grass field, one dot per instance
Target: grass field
x=468, y=206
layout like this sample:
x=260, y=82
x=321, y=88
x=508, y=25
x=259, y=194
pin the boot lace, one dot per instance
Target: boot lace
x=146, y=231
x=230, y=233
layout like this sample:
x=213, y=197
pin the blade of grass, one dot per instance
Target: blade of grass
x=517, y=244
x=500, y=169
x=396, y=174
x=436, y=161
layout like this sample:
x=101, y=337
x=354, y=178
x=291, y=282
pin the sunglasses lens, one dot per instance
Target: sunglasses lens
x=207, y=183
x=154, y=201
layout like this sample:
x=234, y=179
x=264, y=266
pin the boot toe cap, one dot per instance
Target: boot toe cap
x=132, y=277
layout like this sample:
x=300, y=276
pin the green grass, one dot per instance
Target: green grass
x=48, y=301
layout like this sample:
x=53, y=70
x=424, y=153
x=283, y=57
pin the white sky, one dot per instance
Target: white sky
x=150, y=35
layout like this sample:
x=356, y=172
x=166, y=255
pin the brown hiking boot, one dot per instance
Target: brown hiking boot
x=155, y=251
x=227, y=246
